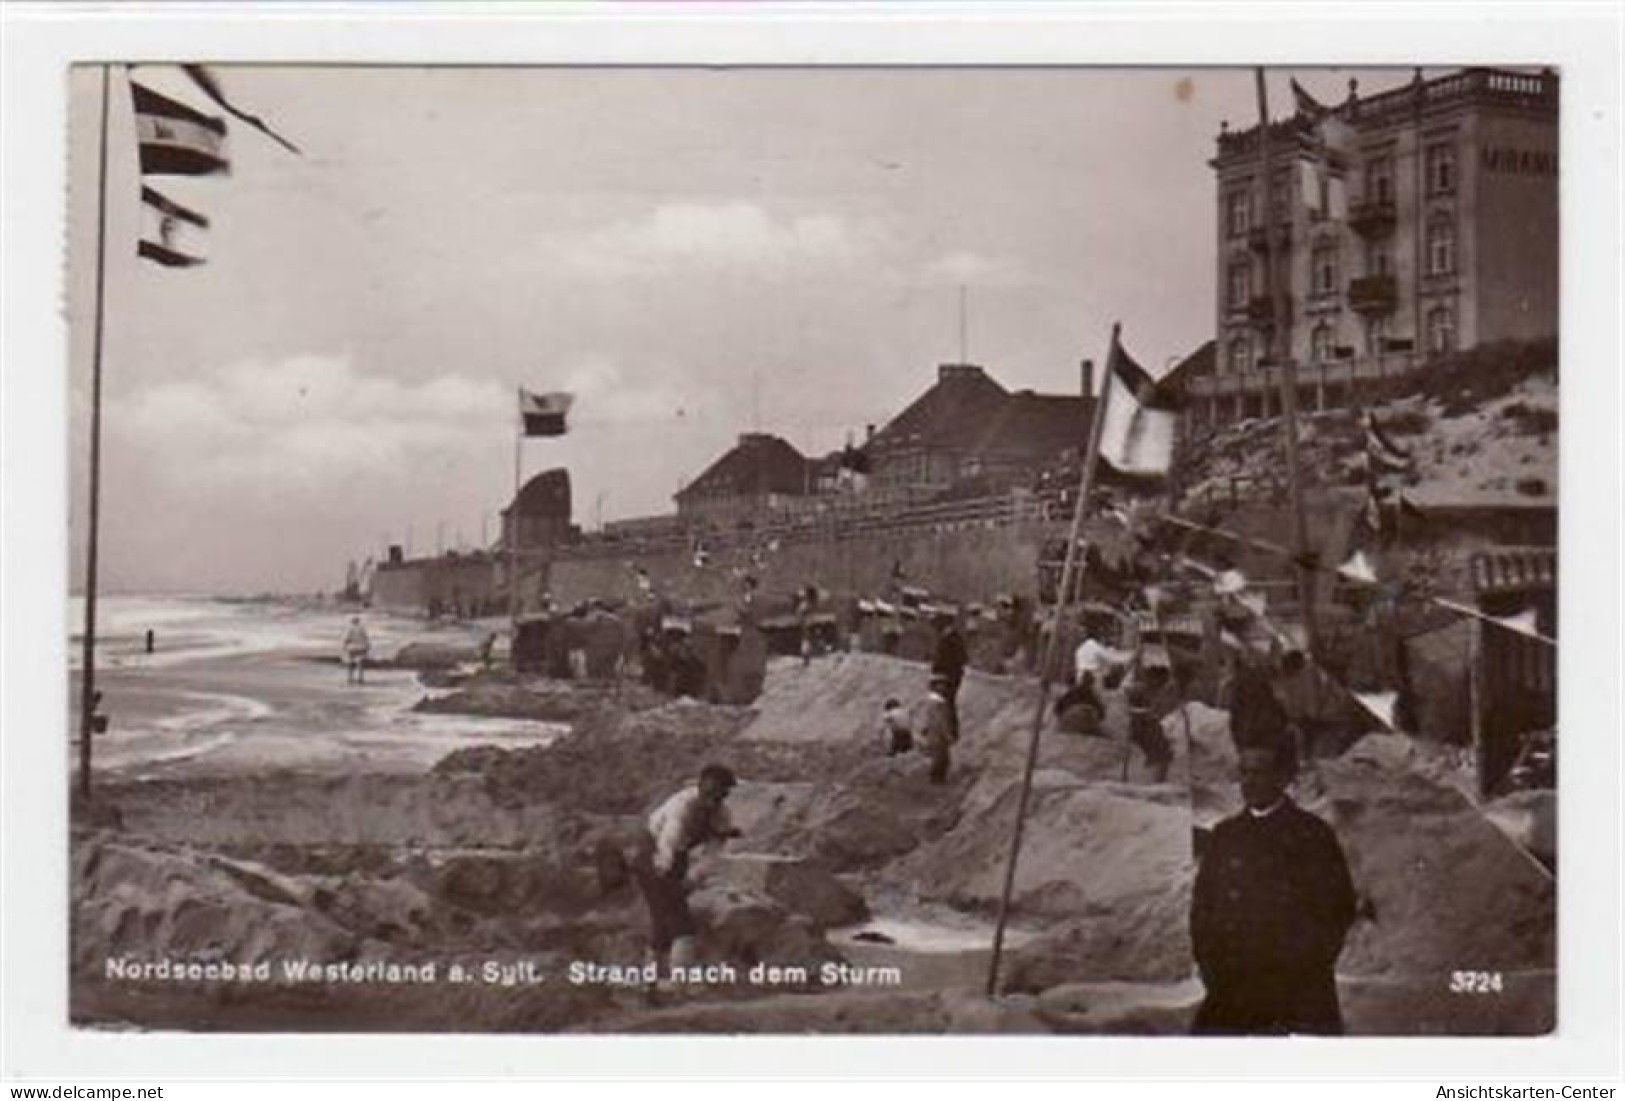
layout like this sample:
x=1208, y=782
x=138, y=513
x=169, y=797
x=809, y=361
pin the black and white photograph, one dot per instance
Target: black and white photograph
x=657, y=550
x=874, y=549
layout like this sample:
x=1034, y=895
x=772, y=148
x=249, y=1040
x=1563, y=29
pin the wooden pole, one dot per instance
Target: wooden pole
x=1062, y=595
x=1475, y=703
x=87, y=698
x=1287, y=376
x=513, y=542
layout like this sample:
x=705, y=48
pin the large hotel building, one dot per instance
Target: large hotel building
x=1409, y=223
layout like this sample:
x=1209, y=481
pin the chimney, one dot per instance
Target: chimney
x=1087, y=377
x=395, y=555
x=868, y=432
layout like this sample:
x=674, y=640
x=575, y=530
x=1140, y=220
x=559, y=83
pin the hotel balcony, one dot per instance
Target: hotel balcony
x=1373, y=294
x=1258, y=238
x=1373, y=218
x=1333, y=384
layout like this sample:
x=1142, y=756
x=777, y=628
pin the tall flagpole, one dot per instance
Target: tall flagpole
x=513, y=531
x=1287, y=375
x=87, y=698
x=1062, y=595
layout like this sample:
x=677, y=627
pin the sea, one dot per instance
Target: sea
x=234, y=684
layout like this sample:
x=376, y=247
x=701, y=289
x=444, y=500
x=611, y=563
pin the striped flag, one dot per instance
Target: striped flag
x=544, y=414
x=171, y=234
x=177, y=140
x=1141, y=420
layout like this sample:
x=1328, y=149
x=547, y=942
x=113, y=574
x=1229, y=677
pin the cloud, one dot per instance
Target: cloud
x=972, y=269
x=310, y=419
x=607, y=394
x=736, y=235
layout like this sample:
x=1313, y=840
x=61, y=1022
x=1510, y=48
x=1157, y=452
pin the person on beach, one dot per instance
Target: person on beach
x=1272, y=905
x=1147, y=699
x=896, y=734
x=1096, y=660
x=692, y=817
x=356, y=648
x=949, y=664
x=1080, y=710
x=936, y=727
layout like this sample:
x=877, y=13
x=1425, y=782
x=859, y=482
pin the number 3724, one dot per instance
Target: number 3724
x=1475, y=982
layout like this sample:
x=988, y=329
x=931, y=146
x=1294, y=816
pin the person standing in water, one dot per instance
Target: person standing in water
x=356, y=648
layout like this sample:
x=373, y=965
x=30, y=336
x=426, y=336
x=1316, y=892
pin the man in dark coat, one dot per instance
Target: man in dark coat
x=949, y=664
x=1272, y=905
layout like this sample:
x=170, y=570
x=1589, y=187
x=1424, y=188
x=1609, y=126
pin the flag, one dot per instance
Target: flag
x=1138, y=435
x=1382, y=453
x=1332, y=144
x=210, y=84
x=1524, y=622
x=1305, y=103
x=1358, y=568
x=174, y=139
x=171, y=234
x=544, y=414
x=1383, y=705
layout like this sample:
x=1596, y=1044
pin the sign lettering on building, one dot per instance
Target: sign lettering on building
x=1519, y=162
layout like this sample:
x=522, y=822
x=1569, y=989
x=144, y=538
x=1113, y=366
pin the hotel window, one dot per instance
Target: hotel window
x=1240, y=356
x=1320, y=343
x=1280, y=192
x=1441, y=329
x=1441, y=246
x=1379, y=180
x=1240, y=286
x=1376, y=332
x=1324, y=266
x=1238, y=210
x=1441, y=168
x=1376, y=259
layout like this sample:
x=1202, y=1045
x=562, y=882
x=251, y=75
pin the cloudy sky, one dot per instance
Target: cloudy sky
x=693, y=252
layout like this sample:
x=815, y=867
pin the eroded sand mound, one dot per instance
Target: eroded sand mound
x=1447, y=889
x=150, y=904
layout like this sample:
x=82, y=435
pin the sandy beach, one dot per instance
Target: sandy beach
x=252, y=810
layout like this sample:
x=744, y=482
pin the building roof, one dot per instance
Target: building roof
x=759, y=463
x=1525, y=93
x=955, y=411
x=1034, y=427
x=547, y=494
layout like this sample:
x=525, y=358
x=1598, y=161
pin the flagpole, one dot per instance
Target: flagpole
x=513, y=536
x=87, y=699
x=1287, y=376
x=1062, y=595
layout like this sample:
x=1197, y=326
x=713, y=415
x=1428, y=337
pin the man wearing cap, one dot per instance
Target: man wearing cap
x=1272, y=905
x=692, y=817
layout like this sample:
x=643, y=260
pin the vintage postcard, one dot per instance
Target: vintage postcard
x=814, y=550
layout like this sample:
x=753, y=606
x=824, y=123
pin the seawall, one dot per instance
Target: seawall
x=975, y=561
